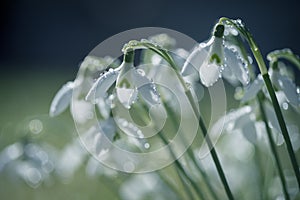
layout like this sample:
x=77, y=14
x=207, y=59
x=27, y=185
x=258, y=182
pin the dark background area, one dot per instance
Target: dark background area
x=43, y=42
x=49, y=34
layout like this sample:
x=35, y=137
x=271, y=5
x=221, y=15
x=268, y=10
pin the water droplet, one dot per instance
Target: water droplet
x=129, y=167
x=234, y=32
x=133, y=43
x=35, y=126
x=250, y=59
x=124, y=123
x=141, y=72
x=33, y=177
x=285, y=105
x=147, y=145
x=188, y=85
x=144, y=40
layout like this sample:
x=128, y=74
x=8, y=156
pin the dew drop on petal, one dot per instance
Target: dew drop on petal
x=250, y=59
x=285, y=105
x=141, y=72
x=237, y=64
x=147, y=145
x=126, y=96
x=289, y=89
x=149, y=93
x=252, y=89
x=209, y=73
x=129, y=167
x=103, y=83
x=188, y=85
x=35, y=126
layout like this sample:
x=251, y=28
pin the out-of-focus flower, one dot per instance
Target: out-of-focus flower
x=147, y=184
x=89, y=67
x=62, y=99
x=30, y=162
x=285, y=84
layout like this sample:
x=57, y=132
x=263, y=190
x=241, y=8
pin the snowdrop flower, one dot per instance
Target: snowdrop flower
x=30, y=162
x=208, y=58
x=79, y=87
x=213, y=59
x=129, y=81
x=62, y=99
x=252, y=89
x=235, y=66
x=284, y=83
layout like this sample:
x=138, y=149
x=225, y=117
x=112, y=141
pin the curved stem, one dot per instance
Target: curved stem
x=273, y=147
x=180, y=169
x=282, y=127
x=164, y=54
x=262, y=67
x=285, y=54
x=191, y=154
x=188, y=192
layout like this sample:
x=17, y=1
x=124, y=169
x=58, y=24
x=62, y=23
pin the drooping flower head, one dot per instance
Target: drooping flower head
x=130, y=82
x=207, y=58
x=213, y=59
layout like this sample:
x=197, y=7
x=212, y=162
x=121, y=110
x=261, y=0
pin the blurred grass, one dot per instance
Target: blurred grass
x=26, y=95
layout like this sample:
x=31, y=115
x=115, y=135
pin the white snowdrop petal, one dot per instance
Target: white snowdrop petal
x=126, y=96
x=62, y=99
x=102, y=84
x=82, y=111
x=103, y=108
x=145, y=87
x=228, y=75
x=149, y=93
x=271, y=116
x=194, y=61
x=252, y=89
x=209, y=73
x=179, y=56
x=247, y=125
x=285, y=84
x=135, y=134
x=274, y=75
x=289, y=89
x=237, y=66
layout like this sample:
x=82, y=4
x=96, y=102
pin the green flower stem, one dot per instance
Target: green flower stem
x=164, y=54
x=282, y=126
x=247, y=35
x=210, y=145
x=191, y=154
x=187, y=190
x=262, y=67
x=284, y=54
x=179, y=167
x=273, y=146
